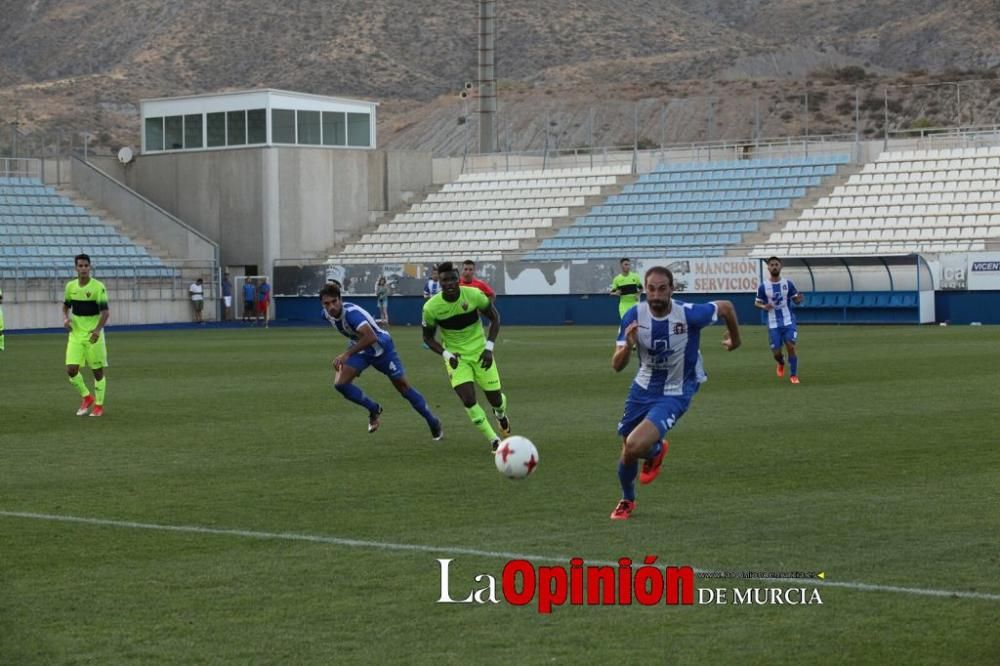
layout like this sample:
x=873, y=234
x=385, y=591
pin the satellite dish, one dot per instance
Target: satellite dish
x=125, y=155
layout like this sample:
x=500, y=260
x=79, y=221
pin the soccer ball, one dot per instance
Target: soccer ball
x=516, y=457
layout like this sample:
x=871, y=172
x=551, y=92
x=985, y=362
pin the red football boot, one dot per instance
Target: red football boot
x=623, y=510
x=85, y=405
x=651, y=468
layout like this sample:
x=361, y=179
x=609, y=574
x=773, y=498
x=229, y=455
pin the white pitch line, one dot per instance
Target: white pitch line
x=457, y=550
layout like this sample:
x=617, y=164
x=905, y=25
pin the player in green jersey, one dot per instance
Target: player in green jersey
x=467, y=351
x=627, y=286
x=85, y=312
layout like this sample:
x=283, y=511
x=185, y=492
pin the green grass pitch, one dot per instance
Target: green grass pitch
x=881, y=468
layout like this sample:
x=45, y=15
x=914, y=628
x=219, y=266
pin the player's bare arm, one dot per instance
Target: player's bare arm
x=624, y=351
x=760, y=305
x=67, y=324
x=731, y=340
x=431, y=341
x=366, y=338
x=798, y=298
x=486, y=358
x=96, y=333
x=437, y=348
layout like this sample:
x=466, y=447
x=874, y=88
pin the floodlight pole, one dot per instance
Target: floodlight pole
x=958, y=105
x=487, y=76
x=885, y=132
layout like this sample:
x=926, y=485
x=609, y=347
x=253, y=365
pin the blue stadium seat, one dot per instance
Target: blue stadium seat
x=698, y=208
x=39, y=229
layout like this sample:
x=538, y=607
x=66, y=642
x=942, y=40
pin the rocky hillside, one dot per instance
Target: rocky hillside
x=83, y=64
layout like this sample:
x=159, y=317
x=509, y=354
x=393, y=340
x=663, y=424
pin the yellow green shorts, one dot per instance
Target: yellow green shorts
x=80, y=351
x=468, y=370
x=624, y=307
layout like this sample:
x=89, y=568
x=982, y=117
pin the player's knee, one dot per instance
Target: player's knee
x=72, y=371
x=401, y=385
x=636, y=445
x=98, y=374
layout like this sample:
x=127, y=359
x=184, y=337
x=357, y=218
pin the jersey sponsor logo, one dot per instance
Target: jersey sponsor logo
x=465, y=305
x=659, y=355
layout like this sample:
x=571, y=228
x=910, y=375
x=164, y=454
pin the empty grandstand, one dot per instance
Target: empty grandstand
x=41, y=230
x=484, y=216
x=905, y=201
x=691, y=210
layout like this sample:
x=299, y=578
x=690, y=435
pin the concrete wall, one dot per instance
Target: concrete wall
x=40, y=314
x=447, y=169
x=181, y=241
x=262, y=204
x=110, y=166
x=219, y=193
x=55, y=171
x=408, y=175
x=396, y=179
x=323, y=197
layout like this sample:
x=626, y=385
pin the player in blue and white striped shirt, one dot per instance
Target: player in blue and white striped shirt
x=666, y=333
x=432, y=286
x=775, y=296
x=371, y=346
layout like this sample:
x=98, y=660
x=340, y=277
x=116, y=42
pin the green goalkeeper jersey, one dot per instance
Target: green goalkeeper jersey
x=628, y=287
x=461, y=331
x=86, y=302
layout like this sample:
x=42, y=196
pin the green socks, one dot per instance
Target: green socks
x=77, y=382
x=99, y=386
x=478, y=418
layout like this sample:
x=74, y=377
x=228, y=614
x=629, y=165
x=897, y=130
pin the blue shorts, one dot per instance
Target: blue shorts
x=782, y=335
x=662, y=410
x=388, y=363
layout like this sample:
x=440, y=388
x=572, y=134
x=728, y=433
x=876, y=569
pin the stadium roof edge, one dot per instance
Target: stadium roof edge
x=260, y=90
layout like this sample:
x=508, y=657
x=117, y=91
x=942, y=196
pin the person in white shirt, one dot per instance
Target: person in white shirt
x=197, y=293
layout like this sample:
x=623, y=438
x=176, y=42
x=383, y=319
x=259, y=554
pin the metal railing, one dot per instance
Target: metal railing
x=20, y=167
x=642, y=160
x=937, y=138
x=25, y=281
